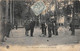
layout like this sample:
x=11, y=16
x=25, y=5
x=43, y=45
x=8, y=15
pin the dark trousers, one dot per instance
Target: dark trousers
x=44, y=31
x=73, y=31
x=16, y=27
x=8, y=33
x=72, y=28
x=55, y=32
x=49, y=32
x=26, y=32
x=31, y=31
x=3, y=38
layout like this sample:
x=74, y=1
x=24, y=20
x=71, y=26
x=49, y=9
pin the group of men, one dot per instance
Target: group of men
x=50, y=24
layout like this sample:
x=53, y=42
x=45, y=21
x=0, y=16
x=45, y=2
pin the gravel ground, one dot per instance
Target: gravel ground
x=18, y=41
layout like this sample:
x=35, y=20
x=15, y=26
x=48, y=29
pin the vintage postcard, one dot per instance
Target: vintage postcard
x=39, y=25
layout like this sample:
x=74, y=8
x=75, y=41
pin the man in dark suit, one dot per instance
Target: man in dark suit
x=27, y=27
x=43, y=27
x=8, y=27
x=72, y=28
x=32, y=25
x=3, y=31
x=52, y=27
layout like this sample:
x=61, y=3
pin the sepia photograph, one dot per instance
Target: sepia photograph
x=39, y=25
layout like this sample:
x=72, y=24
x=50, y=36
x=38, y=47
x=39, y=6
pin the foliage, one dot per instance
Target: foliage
x=19, y=6
x=77, y=6
x=67, y=9
x=3, y=3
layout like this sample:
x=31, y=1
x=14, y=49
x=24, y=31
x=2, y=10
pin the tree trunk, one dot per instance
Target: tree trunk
x=11, y=11
x=0, y=22
x=7, y=9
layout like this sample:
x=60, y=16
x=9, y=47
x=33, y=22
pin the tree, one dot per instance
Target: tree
x=0, y=23
x=67, y=9
x=76, y=6
x=19, y=6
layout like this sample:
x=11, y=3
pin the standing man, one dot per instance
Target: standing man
x=16, y=24
x=43, y=27
x=27, y=27
x=3, y=30
x=32, y=25
x=8, y=27
x=72, y=28
x=52, y=27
